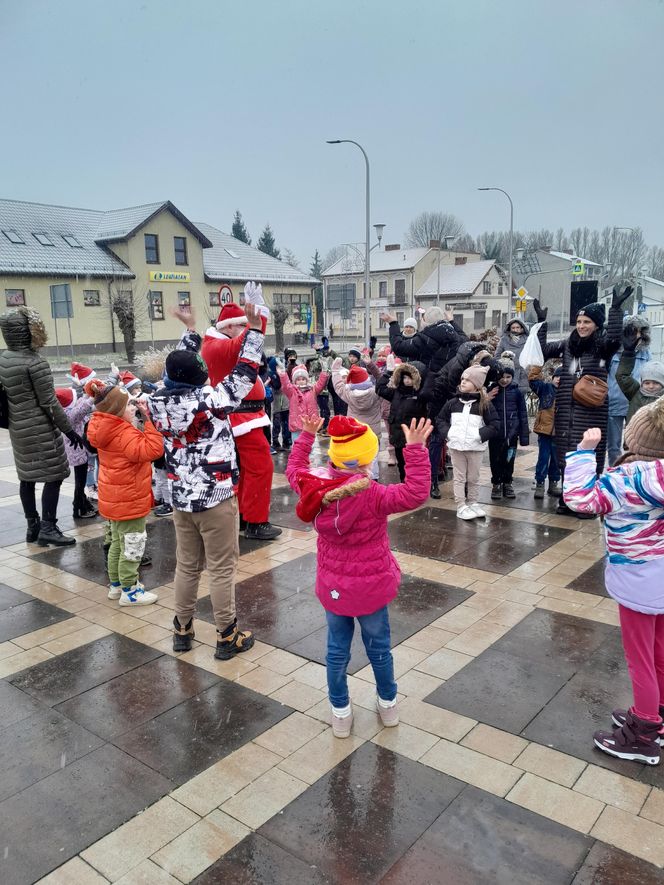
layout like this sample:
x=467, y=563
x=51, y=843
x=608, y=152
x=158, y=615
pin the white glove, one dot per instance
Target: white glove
x=325, y=363
x=281, y=364
x=390, y=362
x=337, y=364
x=253, y=294
x=114, y=370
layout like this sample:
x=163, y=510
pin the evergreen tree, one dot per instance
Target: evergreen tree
x=316, y=270
x=239, y=231
x=266, y=242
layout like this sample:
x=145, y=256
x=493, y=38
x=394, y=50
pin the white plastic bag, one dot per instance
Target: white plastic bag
x=532, y=355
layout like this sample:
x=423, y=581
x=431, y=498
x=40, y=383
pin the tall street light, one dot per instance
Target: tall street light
x=451, y=239
x=509, y=286
x=367, y=284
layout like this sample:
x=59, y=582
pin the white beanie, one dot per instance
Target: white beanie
x=411, y=321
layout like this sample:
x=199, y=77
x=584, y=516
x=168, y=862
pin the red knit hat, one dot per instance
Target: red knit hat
x=129, y=380
x=357, y=375
x=230, y=315
x=84, y=373
x=66, y=396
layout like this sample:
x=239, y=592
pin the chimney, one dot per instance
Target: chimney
x=393, y=247
x=434, y=244
x=568, y=251
x=461, y=259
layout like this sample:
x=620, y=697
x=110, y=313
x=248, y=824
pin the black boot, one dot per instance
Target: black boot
x=34, y=522
x=49, y=533
x=261, y=531
x=182, y=636
x=435, y=490
x=232, y=642
x=85, y=510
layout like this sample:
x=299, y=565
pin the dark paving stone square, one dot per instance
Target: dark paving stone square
x=355, y=822
x=36, y=747
x=502, y=690
x=29, y=616
x=76, y=671
x=524, y=500
x=54, y=819
x=257, y=861
x=198, y=732
x=282, y=510
x=480, y=838
x=15, y=705
x=592, y=580
x=498, y=545
x=10, y=597
x=606, y=865
x=137, y=696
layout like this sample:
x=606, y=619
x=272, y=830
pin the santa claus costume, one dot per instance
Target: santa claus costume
x=220, y=350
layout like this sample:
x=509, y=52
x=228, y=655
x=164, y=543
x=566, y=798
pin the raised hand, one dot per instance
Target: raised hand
x=540, y=311
x=418, y=432
x=185, y=315
x=253, y=315
x=253, y=294
x=449, y=315
x=390, y=362
x=311, y=424
x=337, y=364
x=388, y=317
x=618, y=300
x=630, y=338
x=591, y=439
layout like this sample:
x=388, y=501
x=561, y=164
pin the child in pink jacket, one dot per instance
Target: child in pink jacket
x=357, y=575
x=302, y=396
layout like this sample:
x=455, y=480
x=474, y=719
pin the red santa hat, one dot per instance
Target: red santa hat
x=84, y=373
x=66, y=396
x=357, y=375
x=129, y=380
x=230, y=315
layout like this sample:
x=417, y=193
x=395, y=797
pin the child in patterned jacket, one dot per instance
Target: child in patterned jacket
x=631, y=497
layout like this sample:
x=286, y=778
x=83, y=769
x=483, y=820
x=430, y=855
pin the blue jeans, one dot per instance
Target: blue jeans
x=547, y=464
x=376, y=638
x=614, y=434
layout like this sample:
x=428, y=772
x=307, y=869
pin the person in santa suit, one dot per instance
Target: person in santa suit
x=220, y=350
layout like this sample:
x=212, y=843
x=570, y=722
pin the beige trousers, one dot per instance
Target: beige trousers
x=207, y=539
x=466, y=467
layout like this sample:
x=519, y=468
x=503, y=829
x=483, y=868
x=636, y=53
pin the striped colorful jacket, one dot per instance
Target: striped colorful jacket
x=631, y=497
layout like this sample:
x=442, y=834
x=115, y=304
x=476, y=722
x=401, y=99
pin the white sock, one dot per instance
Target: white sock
x=342, y=712
x=386, y=704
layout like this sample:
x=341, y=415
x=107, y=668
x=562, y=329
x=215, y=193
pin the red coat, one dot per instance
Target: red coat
x=125, y=465
x=221, y=354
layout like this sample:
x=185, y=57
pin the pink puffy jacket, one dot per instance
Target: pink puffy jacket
x=357, y=573
x=302, y=402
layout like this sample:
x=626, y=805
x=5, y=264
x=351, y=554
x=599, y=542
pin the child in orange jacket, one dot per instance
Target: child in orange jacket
x=125, y=484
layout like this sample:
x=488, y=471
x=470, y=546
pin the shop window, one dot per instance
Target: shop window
x=91, y=298
x=479, y=320
x=495, y=319
x=151, y=249
x=15, y=297
x=156, y=305
x=180, y=246
x=296, y=304
x=184, y=299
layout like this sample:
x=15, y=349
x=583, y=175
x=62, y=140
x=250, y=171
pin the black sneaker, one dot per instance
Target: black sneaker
x=146, y=560
x=619, y=717
x=261, y=531
x=182, y=636
x=435, y=491
x=636, y=740
x=233, y=642
x=562, y=509
x=163, y=510
x=496, y=491
x=508, y=490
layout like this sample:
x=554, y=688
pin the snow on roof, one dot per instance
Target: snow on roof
x=455, y=279
x=654, y=281
x=393, y=259
x=569, y=257
x=118, y=224
x=231, y=259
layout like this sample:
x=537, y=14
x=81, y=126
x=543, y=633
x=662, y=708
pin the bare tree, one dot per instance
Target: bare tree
x=279, y=316
x=131, y=308
x=429, y=226
x=655, y=262
x=335, y=253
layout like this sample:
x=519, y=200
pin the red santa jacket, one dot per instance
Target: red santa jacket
x=221, y=355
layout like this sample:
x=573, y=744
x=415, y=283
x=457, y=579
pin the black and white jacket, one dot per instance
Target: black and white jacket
x=198, y=439
x=464, y=427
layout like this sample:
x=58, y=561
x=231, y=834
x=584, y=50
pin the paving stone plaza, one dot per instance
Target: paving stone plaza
x=124, y=763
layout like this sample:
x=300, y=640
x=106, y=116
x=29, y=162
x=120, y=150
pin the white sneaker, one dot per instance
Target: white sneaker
x=114, y=592
x=477, y=510
x=466, y=512
x=137, y=595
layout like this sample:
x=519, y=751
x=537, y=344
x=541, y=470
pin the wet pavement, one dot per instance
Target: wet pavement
x=124, y=763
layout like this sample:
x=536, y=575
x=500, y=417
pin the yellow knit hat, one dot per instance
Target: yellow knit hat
x=352, y=444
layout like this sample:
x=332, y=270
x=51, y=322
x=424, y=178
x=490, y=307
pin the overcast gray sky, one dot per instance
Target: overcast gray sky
x=218, y=105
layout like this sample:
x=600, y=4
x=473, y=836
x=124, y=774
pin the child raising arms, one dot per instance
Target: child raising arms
x=357, y=575
x=631, y=496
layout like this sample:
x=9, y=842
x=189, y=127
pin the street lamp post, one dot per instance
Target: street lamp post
x=440, y=246
x=509, y=285
x=367, y=270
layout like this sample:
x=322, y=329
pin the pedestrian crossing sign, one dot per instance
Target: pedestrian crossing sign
x=579, y=269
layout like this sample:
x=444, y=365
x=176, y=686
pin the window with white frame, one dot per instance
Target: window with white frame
x=399, y=291
x=382, y=289
x=486, y=287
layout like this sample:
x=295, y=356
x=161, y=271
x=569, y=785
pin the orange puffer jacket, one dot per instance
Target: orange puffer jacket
x=125, y=465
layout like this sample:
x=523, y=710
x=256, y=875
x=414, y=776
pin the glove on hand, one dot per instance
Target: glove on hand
x=74, y=439
x=253, y=294
x=337, y=364
x=390, y=362
x=619, y=300
x=540, y=311
x=630, y=338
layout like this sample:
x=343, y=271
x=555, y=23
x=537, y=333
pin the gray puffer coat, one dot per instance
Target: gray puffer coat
x=36, y=418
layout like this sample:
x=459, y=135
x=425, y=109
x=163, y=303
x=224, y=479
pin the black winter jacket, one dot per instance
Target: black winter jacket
x=510, y=404
x=434, y=346
x=447, y=381
x=591, y=356
x=406, y=403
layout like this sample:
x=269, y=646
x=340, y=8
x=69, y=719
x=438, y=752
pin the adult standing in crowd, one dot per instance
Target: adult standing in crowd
x=586, y=352
x=36, y=423
x=618, y=403
x=514, y=339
